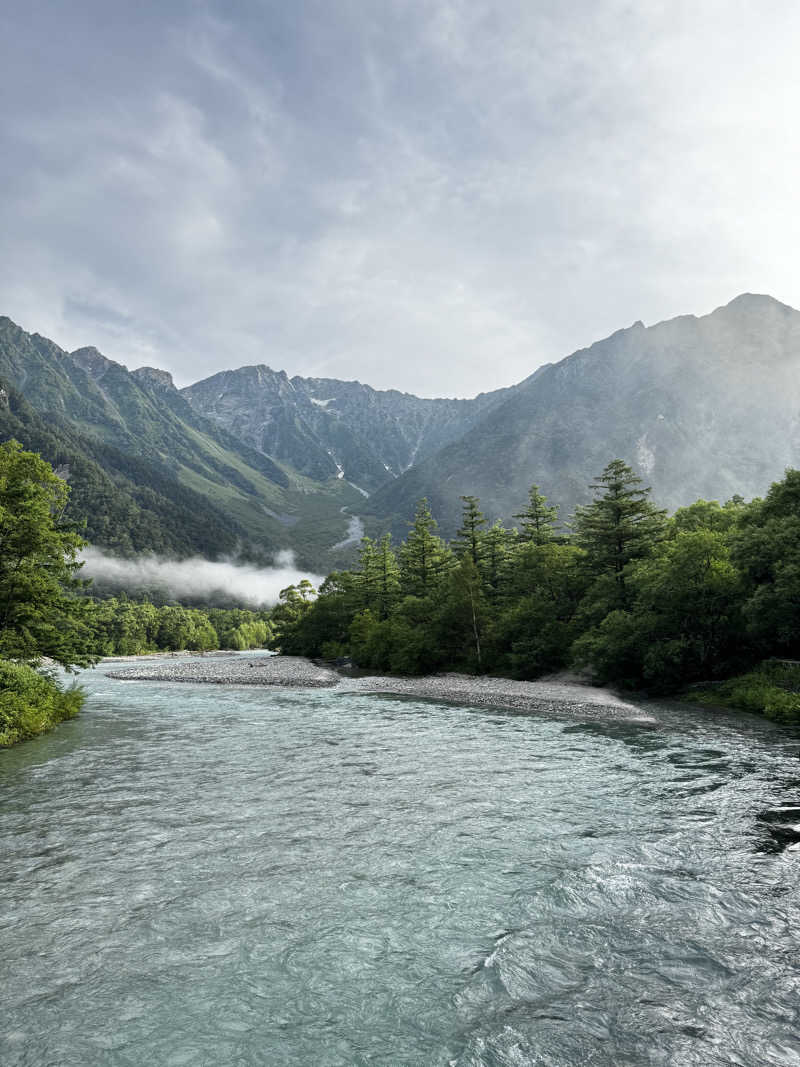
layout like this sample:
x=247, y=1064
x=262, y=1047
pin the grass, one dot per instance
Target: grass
x=771, y=689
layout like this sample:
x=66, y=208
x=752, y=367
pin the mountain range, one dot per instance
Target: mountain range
x=328, y=428
x=699, y=406
x=251, y=461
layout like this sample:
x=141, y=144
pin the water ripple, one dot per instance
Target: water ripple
x=246, y=877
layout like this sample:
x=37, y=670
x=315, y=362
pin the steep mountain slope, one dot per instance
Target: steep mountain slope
x=701, y=407
x=120, y=502
x=157, y=437
x=328, y=428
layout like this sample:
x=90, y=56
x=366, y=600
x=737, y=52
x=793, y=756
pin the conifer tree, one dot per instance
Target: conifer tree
x=366, y=573
x=424, y=557
x=538, y=518
x=495, y=556
x=619, y=526
x=468, y=541
x=378, y=581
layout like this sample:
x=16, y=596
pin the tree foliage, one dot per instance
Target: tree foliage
x=40, y=615
x=538, y=519
x=638, y=599
x=424, y=557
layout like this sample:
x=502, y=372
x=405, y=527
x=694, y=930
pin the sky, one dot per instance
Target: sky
x=431, y=195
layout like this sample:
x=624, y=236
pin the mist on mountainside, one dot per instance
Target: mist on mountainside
x=196, y=578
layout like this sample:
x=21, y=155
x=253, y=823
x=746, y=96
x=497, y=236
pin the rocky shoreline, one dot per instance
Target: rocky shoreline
x=573, y=701
x=288, y=671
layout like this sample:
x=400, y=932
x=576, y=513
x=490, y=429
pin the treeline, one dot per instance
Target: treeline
x=124, y=627
x=640, y=599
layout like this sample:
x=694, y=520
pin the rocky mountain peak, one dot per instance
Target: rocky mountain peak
x=154, y=376
x=93, y=362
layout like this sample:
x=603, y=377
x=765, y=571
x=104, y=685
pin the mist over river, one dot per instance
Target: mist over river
x=211, y=875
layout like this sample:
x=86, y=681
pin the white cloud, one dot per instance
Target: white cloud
x=197, y=578
x=436, y=197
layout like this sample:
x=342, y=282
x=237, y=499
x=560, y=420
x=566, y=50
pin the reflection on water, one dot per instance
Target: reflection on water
x=212, y=876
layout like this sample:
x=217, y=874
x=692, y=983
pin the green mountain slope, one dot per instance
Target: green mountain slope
x=122, y=502
x=142, y=432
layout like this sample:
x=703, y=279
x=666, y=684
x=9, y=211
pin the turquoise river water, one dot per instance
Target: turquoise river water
x=228, y=876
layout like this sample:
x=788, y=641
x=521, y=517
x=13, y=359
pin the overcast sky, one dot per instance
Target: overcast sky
x=437, y=196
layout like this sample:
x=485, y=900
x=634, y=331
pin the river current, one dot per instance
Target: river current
x=200, y=875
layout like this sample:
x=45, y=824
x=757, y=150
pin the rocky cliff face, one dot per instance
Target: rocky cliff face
x=701, y=407
x=328, y=428
x=154, y=377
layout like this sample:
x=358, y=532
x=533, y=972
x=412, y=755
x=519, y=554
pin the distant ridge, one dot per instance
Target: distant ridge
x=328, y=428
x=701, y=406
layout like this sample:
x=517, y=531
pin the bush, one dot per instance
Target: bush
x=32, y=703
x=773, y=690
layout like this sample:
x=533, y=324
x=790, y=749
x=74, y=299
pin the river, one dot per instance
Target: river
x=228, y=876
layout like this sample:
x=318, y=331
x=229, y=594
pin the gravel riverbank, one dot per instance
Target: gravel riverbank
x=573, y=701
x=292, y=671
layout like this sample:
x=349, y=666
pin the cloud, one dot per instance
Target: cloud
x=197, y=578
x=433, y=196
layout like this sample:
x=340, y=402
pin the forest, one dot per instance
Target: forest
x=623, y=592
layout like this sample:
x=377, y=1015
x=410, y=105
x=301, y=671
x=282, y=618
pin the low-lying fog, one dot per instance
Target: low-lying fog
x=197, y=578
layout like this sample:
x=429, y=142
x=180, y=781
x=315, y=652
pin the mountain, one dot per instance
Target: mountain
x=139, y=429
x=328, y=428
x=120, y=502
x=253, y=461
x=701, y=407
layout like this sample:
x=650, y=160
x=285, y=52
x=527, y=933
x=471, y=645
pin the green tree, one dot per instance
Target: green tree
x=424, y=558
x=469, y=539
x=538, y=622
x=496, y=556
x=706, y=515
x=294, y=603
x=621, y=525
x=40, y=615
x=766, y=548
x=538, y=518
x=684, y=621
x=462, y=617
x=378, y=579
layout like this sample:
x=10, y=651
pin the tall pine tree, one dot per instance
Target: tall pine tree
x=619, y=526
x=424, y=558
x=538, y=518
x=469, y=539
x=378, y=581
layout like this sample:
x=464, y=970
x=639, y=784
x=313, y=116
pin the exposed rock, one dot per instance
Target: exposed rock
x=154, y=376
x=328, y=428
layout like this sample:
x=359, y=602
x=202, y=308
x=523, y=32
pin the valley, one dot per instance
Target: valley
x=700, y=406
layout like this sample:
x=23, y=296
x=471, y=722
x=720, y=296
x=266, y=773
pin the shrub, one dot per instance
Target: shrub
x=773, y=690
x=32, y=702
